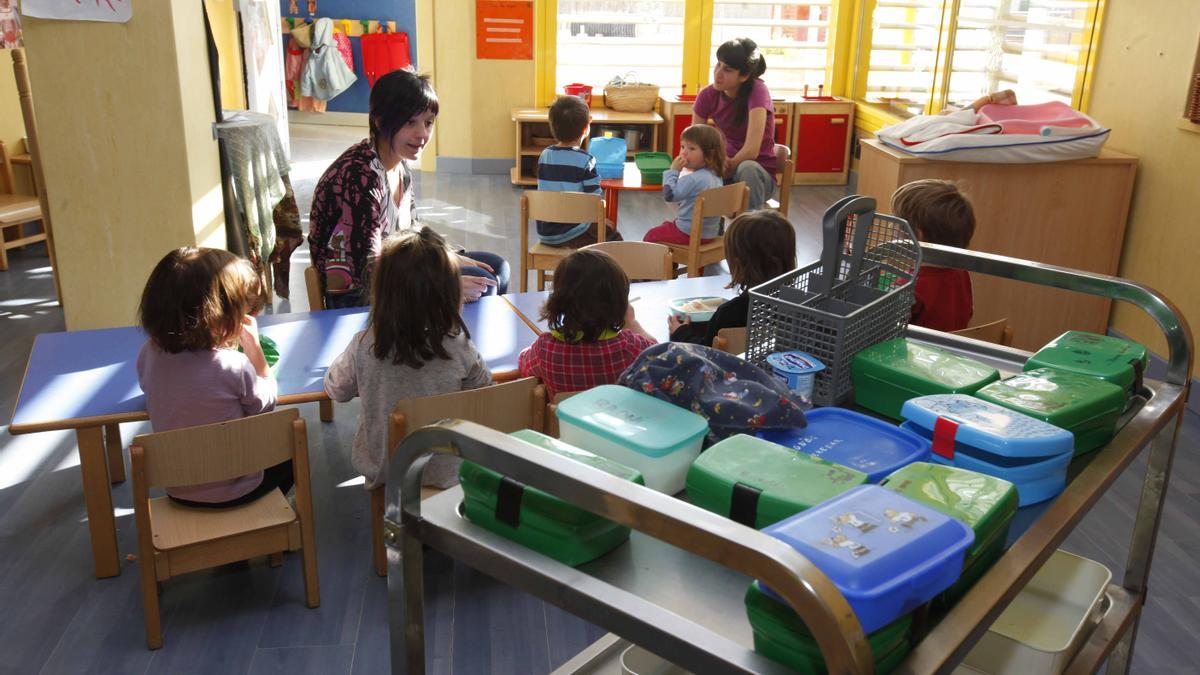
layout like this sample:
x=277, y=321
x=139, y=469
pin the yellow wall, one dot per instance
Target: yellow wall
x=1141, y=83
x=124, y=114
x=225, y=34
x=476, y=96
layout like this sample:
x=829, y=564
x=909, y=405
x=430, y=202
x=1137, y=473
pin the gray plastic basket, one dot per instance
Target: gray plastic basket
x=790, y=313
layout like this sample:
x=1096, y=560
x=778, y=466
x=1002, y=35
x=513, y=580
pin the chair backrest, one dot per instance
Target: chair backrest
x=998, y=332
x=220, y=451
x=562, y=207
x=787, y=170
x=726, y=201
x=7, y=184
x=552, y=411
x=313, y=285
x=519, y=404
x=731, y=340
x=640, y=259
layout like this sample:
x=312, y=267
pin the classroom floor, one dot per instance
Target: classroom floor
x=250, y=618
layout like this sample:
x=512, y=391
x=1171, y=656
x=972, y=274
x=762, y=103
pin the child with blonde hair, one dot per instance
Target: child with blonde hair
x=702, y=154
x=415, y=345
x=939, y=214
x=197, y=311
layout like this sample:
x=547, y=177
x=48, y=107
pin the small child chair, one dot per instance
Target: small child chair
x=731, y=340
x=175, y=539
x=641, y=260
x=555, y=207
x=726, y=202
x=785, y=172
x=16, y=211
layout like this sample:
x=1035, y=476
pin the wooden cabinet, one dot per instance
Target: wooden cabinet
x=1071, y=214
x=532, y=128
x=821, y=141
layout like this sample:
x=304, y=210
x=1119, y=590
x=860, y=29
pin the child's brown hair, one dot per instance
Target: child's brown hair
x=416, y=297
x=937, y=211
x=569, y=118
x=711, y=142
x=759, y=246
x=590, y=296
x=195, y=299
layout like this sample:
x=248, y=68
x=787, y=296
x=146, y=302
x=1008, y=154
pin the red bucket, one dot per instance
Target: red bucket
x=583, y=91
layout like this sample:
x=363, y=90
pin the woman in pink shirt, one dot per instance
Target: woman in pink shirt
x=738, y=103
x=196, y=311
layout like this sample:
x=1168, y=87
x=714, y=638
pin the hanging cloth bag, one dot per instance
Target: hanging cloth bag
x=325, y=73
x=383, y=53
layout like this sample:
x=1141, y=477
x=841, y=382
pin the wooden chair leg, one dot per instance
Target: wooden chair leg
x=150, y=591
x=524, y=273
x=378, y=551
x=326, y=408
x=541, y=274
x=275, y=559
x=3, y=253
x=116, y=455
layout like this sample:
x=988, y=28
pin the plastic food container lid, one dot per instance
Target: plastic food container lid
x=928, y=363
x=795, y=363
x=1063, y=397
x=1109, y=358
x=986, y=503
x=855, y=440
x=632, y=419
x=981, y=424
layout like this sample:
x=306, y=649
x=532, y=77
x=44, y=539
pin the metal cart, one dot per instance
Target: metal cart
x=676, y=587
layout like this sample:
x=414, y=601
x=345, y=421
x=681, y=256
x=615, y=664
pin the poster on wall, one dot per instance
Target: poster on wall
x=10, y=25
x=504, y=29
x=114, y=11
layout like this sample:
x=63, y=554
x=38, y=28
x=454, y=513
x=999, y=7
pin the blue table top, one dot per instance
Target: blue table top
x=80, y=375
x=651, y=304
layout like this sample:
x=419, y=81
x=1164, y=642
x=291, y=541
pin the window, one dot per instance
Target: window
x=600, y=39
x=1034, y=47
x=903, y=43
x=794, y=37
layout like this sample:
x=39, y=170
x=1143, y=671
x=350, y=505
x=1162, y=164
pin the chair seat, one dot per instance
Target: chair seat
x=175, y=526
x=19, y=209
x=539, y=249
x=715, y=244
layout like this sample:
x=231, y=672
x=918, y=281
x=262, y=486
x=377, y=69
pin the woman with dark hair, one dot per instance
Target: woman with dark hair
x=738, y=103
x=367, y=194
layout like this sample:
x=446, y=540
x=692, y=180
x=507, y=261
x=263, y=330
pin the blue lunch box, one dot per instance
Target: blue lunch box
x=853, y=439
x=886, y=553
x=974, y=434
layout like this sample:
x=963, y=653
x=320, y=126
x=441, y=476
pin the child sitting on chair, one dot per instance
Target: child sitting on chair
x=415, y=345
x=565, y=167
x=939, y=214
x=197, y=312
x=702, y=153
x=594, y=334
x=759, y=246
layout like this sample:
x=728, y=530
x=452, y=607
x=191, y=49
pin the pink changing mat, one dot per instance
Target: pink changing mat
x=1034, y=119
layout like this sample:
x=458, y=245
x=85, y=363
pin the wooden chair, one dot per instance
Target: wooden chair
x=731, y=340
x=785, y=170
x=175, y=539
x=641, y=260
x=16, y=211
x=25, y=93
x=316, y=301
x=557, y=207
x=998, y=332
x=552, y=414
x=726, y=201
x=506, y=407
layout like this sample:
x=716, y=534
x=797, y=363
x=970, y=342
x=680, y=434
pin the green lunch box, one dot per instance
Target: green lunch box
x=535, y=519
x=889, y=373
x=780, y=635
x=1111, y=359
x=1085, y=406
x=985, y=503
x=757, y=483
x=652, y=165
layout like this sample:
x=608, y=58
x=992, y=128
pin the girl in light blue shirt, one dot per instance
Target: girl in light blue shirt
x=702, y=154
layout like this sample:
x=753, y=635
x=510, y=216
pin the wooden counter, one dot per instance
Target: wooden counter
x=1063, y=213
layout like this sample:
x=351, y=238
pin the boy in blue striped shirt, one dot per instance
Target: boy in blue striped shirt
x=565, y=167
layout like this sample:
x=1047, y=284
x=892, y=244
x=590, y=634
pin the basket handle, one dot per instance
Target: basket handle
x=833, y=226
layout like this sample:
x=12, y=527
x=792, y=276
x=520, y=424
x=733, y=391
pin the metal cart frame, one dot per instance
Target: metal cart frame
x=645, y=591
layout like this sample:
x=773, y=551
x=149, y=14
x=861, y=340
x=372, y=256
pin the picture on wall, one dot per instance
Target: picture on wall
x=114, y=11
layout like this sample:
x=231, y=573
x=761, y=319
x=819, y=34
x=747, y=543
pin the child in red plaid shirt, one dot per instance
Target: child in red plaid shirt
x=594, y=334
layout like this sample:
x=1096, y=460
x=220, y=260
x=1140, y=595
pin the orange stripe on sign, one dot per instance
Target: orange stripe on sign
x=944, y=431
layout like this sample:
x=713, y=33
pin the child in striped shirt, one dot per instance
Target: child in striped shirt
x=565, y=167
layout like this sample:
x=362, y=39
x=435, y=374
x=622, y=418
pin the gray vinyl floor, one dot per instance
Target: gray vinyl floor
x=249, y=618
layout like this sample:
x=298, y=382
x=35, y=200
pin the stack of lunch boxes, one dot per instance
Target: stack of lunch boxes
x=1086, y=406
x=854, y=440
x=537, y=520
x=889, y=373
x=757, y=483
x=973, y=434
x=985, y=503
x=1111, y=359
x=780, y=634
x=635, y=429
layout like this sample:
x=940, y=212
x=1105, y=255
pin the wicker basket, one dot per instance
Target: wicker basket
x=631, y=97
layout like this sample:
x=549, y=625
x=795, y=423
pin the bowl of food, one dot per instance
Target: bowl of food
x=697, y=309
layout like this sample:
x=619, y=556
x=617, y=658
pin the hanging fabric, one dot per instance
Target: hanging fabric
x=383, y=53
x=325, y=74
x=342, y=41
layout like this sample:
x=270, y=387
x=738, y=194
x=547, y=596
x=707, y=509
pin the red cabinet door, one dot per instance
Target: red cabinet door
x=781, y=128
x=821, y=143
x=678, y=123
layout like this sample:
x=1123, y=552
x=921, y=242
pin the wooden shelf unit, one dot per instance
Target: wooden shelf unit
x=531, y=123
